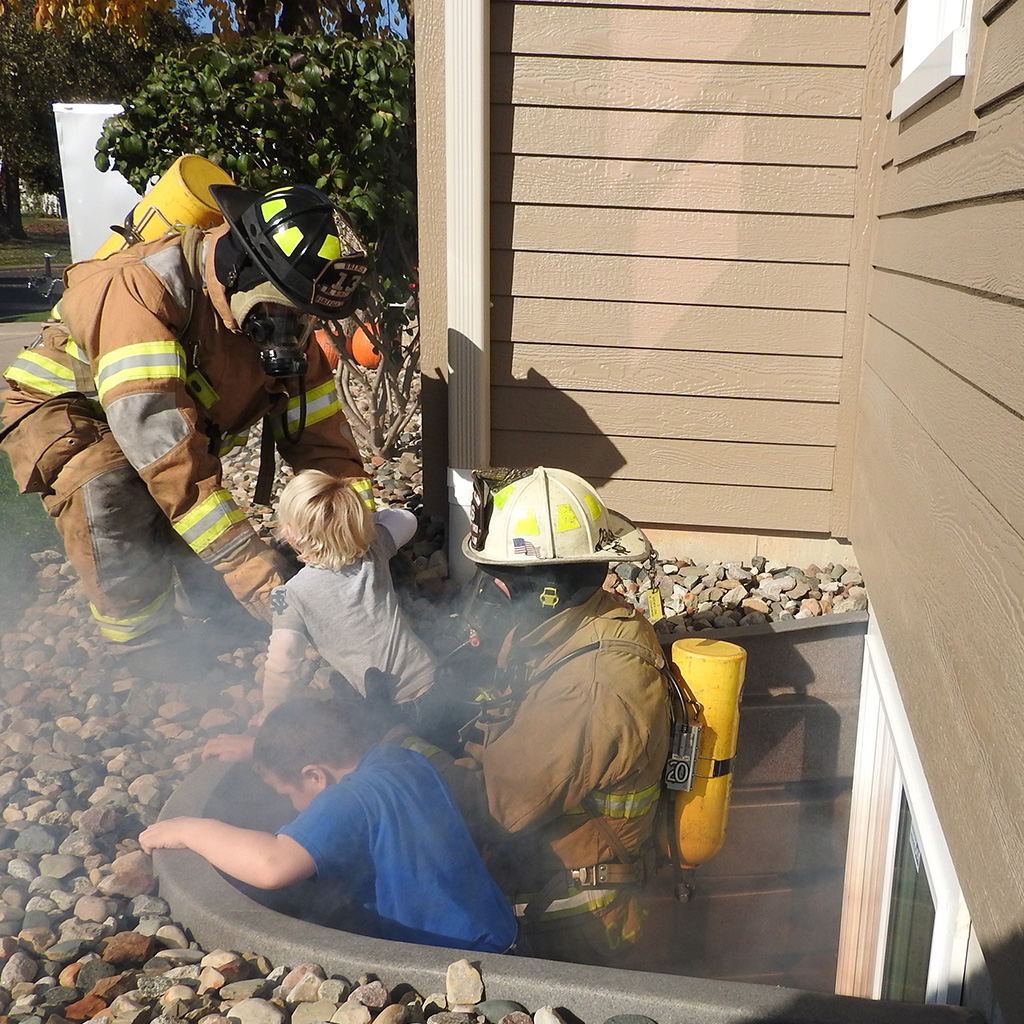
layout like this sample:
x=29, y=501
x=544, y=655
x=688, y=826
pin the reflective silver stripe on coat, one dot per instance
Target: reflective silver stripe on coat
x=147, y=426
x=147, y=360
x=321, y=403
x=38, y=371
x=203, y=524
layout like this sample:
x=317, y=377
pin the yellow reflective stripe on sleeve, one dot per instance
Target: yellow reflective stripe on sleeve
x=210, y=519
x=623, y=805
x=232, y=442
x=321, y=403
x=156, y=613
x=421, y=746
x=365, y=491
x=576, y=902
x=34, y=370
x=148, y=360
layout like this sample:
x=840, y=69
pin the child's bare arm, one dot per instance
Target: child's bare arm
x=280, y=674
x=259, y=858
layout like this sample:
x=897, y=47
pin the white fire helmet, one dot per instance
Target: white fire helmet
x=522, y=517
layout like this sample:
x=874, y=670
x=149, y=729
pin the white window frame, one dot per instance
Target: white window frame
x=887, y=766
x=935, y=48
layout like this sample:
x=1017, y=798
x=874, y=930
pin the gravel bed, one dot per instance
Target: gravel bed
x=91, y=745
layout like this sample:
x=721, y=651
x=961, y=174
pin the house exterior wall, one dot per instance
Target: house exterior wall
x=675, y=202
x=937, y=514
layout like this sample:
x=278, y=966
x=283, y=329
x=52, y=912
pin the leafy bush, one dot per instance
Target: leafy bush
x=272, y=109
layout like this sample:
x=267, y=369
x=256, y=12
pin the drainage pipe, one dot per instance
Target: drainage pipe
x=467, y=163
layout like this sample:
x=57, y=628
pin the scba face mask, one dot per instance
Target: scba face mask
x=281, y=334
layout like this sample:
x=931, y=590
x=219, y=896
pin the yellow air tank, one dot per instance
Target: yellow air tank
x=181, y=198
x=711, y=673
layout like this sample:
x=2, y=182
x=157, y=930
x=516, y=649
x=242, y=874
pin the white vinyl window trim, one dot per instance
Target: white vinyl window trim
x=934, y=52
x=887, y=765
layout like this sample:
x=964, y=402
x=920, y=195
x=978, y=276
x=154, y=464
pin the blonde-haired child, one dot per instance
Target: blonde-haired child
x=343, y=600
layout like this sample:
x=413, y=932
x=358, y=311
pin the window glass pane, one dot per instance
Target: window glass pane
x=911, y=919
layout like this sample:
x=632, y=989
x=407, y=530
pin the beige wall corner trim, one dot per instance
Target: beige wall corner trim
x=467, y=129
x=872, y=138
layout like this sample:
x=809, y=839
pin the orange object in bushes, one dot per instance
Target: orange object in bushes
x=360, y=346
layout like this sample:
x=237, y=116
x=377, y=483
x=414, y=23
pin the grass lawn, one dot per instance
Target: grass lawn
x=25, y=527
x=45, y=235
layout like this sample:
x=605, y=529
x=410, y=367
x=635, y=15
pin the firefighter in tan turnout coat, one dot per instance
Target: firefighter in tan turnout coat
x=166, y=354
x=573, y=738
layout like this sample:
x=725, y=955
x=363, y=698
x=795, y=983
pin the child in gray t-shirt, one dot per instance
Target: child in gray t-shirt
x=342, y=601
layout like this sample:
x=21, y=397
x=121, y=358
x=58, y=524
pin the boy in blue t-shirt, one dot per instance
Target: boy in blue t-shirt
x=378, y=817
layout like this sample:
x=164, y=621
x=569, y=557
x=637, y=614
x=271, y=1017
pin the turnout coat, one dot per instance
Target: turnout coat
x=573, y=747
x=132, y=401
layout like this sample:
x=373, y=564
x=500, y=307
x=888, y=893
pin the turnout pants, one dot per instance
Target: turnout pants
x=115, y=535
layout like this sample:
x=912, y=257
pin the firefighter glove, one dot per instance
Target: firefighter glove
x=252, y=579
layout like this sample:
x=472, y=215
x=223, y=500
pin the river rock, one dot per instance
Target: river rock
x=20, y=967
x=352, y=1013
x=464, y=985
x=256, y=1011
x=133, y=875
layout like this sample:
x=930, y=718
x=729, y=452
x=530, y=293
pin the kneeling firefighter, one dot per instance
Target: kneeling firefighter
x=167, y=352
x=573, y=739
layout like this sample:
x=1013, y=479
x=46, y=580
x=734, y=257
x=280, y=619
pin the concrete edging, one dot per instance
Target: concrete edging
x=220, y=916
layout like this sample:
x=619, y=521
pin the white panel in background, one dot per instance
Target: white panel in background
x=95, y=199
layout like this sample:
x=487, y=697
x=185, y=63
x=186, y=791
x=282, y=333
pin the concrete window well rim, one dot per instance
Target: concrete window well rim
x=221, y=916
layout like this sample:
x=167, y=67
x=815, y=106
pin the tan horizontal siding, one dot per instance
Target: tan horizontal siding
x=957, y=682
x=717, y=374
x=992, y=164
x=795, y=6
x=782, y=509
x=697, y=282
x=667, y=85
x=1002, y=69
x=940, y=320
x=660, y=135
x=949, y=410
x=663, y=326
x=659, y=184
x=694, y=234
x=678, y=416
x=977, y=246
x=658, y=33
x=669, y=461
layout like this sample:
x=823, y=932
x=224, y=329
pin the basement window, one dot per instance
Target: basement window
x=934, y=52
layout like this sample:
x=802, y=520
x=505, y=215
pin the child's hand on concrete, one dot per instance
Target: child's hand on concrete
x=229, y=747
x=166, y=835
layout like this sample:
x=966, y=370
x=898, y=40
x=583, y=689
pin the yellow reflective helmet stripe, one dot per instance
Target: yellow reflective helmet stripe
x=34, y=370
x=566, y=519
x=272, y=206
x=596, y=508
x=527, y=525
x=148, y=360
x=331, y=248
x=131, y=627
x=210, y=519
x=288, y=239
